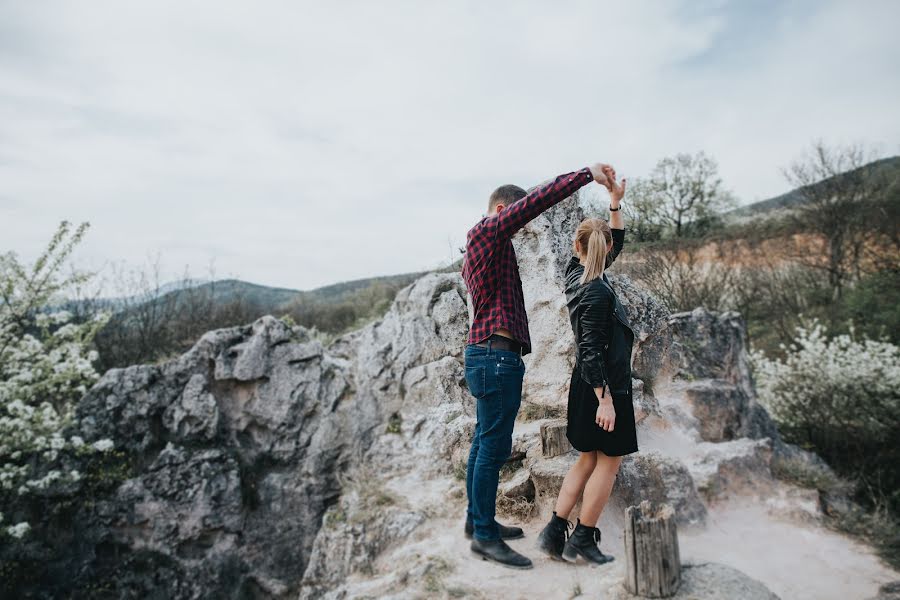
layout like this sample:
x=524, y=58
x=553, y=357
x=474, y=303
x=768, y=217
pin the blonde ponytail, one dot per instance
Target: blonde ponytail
x=593, y=237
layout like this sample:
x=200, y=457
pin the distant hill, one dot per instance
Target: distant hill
x=222, y=291
x=773, y=206
x=153, y=325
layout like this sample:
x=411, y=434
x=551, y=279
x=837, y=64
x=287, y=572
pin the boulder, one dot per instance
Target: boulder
x=660, y=479
x=718, y=406
x=713, y=346
x=519, y=485
x=888, y=591
x=547, y=474
x=710, y=581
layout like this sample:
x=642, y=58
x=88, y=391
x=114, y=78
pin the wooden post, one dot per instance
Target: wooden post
x=553, y=438
x=653, y=567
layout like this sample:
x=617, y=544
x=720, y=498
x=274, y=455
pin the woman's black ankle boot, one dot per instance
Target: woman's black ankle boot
x=552, y=538
x=585, y=542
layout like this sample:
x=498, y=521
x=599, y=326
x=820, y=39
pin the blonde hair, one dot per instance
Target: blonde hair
x=593, y=236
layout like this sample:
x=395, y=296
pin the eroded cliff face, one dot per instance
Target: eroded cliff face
x=267, y=465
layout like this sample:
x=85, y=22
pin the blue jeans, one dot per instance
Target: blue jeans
x=494, y=377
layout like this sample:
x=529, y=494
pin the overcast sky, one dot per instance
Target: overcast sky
x=298, y=144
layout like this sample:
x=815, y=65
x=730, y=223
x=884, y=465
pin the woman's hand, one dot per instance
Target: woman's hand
x=606, y=413
x=616, y=189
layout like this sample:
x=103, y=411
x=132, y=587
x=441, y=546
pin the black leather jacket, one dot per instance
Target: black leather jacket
x=603, y=335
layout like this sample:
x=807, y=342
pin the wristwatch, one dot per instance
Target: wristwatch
x=615, y=209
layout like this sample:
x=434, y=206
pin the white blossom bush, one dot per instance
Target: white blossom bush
x=840, y=397
x=45, y=368
x=840, y=382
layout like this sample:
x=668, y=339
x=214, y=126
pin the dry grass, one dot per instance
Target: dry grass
x=531, y=411
x=517, y=508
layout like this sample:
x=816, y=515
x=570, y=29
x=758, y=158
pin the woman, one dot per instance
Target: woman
x=600, y=412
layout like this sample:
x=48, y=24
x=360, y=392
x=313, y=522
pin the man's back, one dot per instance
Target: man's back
x=490, y=269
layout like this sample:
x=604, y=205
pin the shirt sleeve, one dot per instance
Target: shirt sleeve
x=515, y=216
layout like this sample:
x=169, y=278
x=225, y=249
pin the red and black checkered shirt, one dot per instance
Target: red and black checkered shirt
x=490, y=268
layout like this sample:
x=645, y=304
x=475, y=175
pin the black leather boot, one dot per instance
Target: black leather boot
x=499, y=552
x=506, y=533
x=585, y=542
x=553, y=537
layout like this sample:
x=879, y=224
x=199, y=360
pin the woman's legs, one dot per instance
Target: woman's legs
x=598, y=487
x=574, y=483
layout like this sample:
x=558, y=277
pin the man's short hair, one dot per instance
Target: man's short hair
x=505, y=195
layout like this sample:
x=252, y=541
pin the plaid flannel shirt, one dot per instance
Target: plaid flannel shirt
x=490, y=269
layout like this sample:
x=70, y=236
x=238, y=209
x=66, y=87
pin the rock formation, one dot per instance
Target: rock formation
x=269, y=465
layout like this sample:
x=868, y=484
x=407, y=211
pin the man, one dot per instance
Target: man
x=498, y=339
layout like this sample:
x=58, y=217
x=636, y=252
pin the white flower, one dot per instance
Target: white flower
x=77, y=441
x=18, y=530
x=103, y=445
x=61, y=317
x=825, y=382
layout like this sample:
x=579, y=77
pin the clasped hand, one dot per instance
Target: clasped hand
x=605, y=175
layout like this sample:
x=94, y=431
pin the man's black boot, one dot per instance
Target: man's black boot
x=585, y=542
x=552, y=538
x=499, y=552
x=506, y=533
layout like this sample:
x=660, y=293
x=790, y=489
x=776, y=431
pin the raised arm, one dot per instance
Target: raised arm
x=616, y=220
x=512, y=218
x=616, y=193
x=515, y=216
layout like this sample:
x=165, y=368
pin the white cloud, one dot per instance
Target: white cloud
x=300, y=144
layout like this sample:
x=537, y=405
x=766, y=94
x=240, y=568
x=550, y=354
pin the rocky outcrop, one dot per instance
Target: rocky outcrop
x=888, y=591
x=269, y=465
x=709, y=350
x=241, y=447
x=241, y=441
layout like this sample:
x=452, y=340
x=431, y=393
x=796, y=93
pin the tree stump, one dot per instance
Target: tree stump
x=653, y=567
x=553, y=438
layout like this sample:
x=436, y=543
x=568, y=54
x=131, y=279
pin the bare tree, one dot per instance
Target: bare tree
x=138, y=329
x=152, y=320
x=683, y=280
x=643, y=211
x=838, y=193
x=688, y=189
x=773, y=297
x=882, y=252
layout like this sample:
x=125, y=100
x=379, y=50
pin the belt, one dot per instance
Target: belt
x=498, y=342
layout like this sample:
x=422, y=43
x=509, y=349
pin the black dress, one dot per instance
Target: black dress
x=583, y=432
x=603, y=340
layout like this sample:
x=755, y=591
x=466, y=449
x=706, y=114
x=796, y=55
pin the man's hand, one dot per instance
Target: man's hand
x=616, y=189
x=599, y=171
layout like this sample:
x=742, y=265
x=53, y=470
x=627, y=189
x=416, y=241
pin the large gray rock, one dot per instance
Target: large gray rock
x=711, y=581
x=713, y=346
x=888, y=591
x=242, y=438
x=239, y=447
x=662, y=480
x=718, y=406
